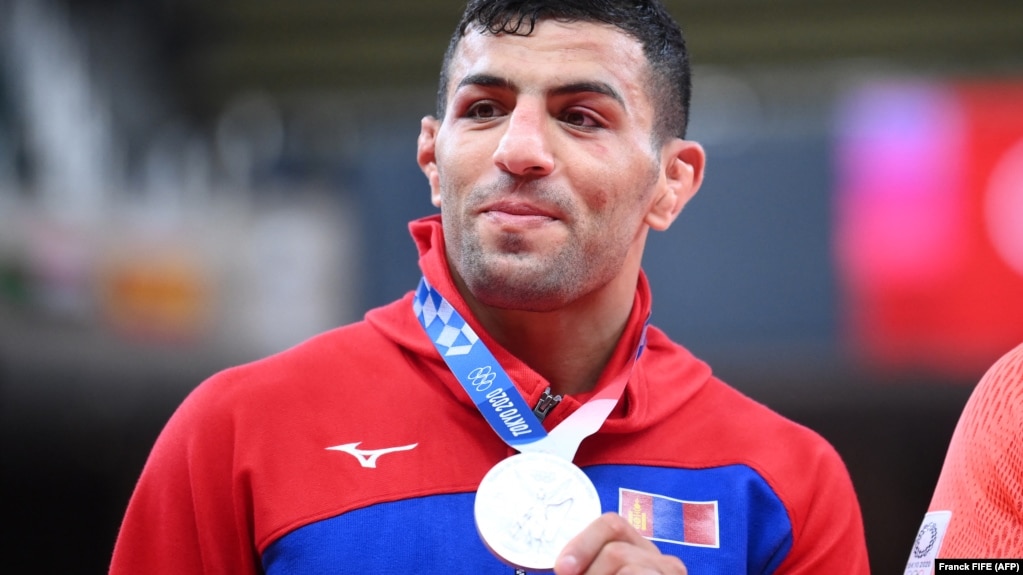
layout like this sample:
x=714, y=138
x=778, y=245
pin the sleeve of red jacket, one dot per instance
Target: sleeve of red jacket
x=827, y=523
x=189, y=512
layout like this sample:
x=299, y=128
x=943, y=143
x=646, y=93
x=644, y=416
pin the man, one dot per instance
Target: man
x=977, y=508
x=557, y=145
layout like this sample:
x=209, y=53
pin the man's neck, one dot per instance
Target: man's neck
x=569, y=347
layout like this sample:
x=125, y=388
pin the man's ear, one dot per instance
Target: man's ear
x=682, y=165
x=426, y=155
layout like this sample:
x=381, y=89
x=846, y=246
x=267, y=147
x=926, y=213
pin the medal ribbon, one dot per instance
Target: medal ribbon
x=493, y=392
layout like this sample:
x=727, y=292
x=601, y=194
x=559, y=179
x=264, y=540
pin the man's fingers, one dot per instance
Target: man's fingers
x=627, y=559
x=609, y=544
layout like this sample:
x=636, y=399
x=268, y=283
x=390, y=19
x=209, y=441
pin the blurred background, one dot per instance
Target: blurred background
x=189, y=185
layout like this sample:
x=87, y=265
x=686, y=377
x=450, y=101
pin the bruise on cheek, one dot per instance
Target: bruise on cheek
x=599, y=200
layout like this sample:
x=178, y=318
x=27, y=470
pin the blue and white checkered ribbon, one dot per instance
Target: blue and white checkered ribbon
x=477, y=369
x=492, y=390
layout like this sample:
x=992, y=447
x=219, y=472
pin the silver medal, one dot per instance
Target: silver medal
x=530, y=505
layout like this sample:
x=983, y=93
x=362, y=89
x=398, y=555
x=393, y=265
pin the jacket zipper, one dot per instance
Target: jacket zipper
x=547, y=403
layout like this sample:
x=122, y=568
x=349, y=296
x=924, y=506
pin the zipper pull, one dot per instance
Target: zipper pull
x=546, y=404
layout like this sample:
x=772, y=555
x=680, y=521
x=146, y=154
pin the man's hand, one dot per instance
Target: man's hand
x=610, y=545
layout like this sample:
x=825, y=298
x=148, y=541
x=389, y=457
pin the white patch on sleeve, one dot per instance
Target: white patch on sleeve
x=927, y=544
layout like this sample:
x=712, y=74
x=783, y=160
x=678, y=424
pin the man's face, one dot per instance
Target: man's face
x=544, y=166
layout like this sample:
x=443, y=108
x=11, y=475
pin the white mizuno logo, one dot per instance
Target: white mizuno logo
x=368, y=457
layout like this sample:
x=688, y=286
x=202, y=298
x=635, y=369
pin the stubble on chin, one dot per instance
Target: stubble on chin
x=505, y=271
x=509, y=278
x=511, y=271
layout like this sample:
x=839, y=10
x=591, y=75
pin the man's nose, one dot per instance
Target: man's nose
x=524, y=149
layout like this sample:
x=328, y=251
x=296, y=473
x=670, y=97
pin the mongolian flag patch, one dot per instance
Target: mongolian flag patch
x=662, y=518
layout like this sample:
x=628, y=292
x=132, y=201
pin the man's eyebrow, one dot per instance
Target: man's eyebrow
x=487, y=81
x=594, y=87
x=492, y=81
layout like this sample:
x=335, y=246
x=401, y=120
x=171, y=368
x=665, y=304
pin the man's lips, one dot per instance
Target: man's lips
x=518, y=211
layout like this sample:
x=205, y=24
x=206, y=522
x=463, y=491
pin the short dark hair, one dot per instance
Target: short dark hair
x=648, y=21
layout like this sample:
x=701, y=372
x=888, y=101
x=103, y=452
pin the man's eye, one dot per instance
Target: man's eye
x=483, y=111
x=581, y=119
